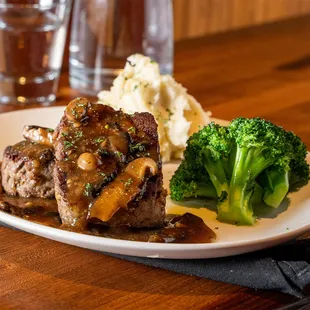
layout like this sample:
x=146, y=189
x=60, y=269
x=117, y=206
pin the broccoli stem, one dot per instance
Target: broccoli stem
x=257, y=196
x=276, y=185
x=217, y=174
x=249, y=162
x=204, y=190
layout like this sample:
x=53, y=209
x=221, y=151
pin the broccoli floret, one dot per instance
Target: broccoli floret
x=299, y=168
x=211, y=147
x=234, y=159
x=277, y=180
x=190, y=181
x=259, y=144
x=207, y=167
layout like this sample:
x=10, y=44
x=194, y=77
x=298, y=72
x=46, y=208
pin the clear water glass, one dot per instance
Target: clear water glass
x=105, y=32
x=32, y=39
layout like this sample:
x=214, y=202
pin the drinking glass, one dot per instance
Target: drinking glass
x=105, y=32
x=32, y=39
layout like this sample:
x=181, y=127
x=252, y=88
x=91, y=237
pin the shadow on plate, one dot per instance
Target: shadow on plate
x=264, y=211
x=261, y=210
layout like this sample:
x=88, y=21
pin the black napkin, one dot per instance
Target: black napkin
x=285, y=268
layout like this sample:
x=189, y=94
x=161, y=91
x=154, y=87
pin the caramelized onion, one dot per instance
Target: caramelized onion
x=123, y=189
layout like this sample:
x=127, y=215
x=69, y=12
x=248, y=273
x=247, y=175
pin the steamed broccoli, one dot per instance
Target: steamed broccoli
x=191, y=182
x=276, y=181
x=234, y=159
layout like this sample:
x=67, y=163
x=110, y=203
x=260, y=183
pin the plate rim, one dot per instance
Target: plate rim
x=39, y=229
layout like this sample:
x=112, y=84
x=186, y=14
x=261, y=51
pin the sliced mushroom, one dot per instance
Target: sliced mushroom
x=123, y=189
x=87, y=162
x=39, y=135
x=118, y=143
x=77, y=109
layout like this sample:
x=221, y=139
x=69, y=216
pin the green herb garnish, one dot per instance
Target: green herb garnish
x=139, y=147
x=99, y=140
x=88, y=188
x=132, y=129
x=49, y=130
x=68, y=144
x=119, y=154
x=64, y=134
x=128, y=182
x=79, y=134
x=75, y=113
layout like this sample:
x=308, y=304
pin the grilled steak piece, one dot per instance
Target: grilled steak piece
x=108, y=167
x=27, y=170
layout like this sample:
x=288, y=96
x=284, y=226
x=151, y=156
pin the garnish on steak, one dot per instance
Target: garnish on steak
x=108, y=167
x=27, y=170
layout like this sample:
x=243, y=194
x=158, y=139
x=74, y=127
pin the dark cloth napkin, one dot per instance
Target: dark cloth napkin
x=285, y=268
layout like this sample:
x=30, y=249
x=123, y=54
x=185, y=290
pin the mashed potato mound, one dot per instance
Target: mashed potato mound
x=141, y=88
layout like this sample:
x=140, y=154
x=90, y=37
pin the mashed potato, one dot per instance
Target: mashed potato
x=141, y=88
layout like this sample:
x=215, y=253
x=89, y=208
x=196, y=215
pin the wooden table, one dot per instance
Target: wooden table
x=263, y=71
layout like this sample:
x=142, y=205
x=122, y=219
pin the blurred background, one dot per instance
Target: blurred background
x=194, y=18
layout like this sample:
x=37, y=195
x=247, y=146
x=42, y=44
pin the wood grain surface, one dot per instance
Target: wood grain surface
x=264, y=71
x=193, y=18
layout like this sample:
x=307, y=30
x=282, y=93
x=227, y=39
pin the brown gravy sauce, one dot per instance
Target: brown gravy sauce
x=186, y=228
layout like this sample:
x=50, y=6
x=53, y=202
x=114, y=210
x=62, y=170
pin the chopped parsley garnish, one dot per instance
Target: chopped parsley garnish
x=135, y=87
x=88, y=188
x=68, y=144
x=132, y=129
x=128, y=182
x=49, y=130
x=75, y=113
x=79, y=134
x=64, y=134
x=99, y=140
x=139, y=147
x=108, y=178
x=119, y=154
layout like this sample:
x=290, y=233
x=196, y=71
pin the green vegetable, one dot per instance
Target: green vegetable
x=88, y=189
x=229, y=162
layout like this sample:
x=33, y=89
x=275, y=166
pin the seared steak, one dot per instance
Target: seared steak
x=108, y=167
x=27, y=170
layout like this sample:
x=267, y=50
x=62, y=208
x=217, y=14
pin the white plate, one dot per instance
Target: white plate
x=273, y=228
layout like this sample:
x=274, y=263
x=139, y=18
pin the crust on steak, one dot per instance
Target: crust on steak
x=27, y=170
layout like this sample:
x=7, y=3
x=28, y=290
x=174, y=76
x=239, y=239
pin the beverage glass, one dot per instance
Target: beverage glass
x=105, y=32
x=32, y=39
